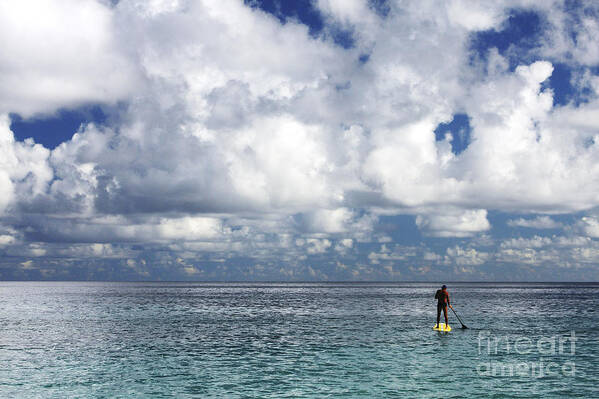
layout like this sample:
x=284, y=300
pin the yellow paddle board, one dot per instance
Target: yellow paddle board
x=442, y=327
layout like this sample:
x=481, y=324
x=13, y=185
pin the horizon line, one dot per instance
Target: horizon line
x=306, y=281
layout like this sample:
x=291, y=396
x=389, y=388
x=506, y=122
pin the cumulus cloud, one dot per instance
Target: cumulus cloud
x=469, y=257
x=24, y=168
x=589, y=226
x=534, y=242
x=350, y=12
x=314, y=245
x=572, y=44
x=344, y=244
x=454, y=223
x=474, y=16
x=390, y=255
x=540, y=222
x=61, y=54
x=239, y=134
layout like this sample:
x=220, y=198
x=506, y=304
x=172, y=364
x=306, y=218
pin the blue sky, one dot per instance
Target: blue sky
x=299, y=140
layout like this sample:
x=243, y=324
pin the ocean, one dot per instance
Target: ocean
x=292, y=340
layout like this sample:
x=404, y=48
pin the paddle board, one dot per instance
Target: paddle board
x=442, y=327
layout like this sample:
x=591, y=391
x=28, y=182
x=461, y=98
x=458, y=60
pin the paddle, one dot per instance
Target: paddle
x=456, y=315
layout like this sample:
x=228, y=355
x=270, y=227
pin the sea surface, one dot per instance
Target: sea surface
x=280, y=340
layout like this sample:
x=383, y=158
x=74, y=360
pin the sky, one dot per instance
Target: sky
x=279, y=140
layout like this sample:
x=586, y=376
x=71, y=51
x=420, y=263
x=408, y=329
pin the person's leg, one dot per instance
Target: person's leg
x=438, y=315
x=445, y=314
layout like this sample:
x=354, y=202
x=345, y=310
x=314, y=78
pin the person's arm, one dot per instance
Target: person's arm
x=437, y=294
x=448, y=303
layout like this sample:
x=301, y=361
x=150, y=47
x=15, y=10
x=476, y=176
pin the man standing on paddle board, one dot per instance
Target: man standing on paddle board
x=442, y=297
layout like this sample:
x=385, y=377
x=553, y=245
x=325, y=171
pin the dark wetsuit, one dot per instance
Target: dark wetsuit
x=442, y=298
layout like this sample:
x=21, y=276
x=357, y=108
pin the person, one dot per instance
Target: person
x=442, y=297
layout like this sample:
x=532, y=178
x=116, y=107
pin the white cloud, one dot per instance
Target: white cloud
x=329, y=221
x=540, y=222
x=468, y=257
x=474, y=15
x=519, y=255
x=347, y=11
x=287, y=158
x=534, y=242
x=347, y=242
x=188, y=228
x=194, y=129
x=34, y=249
x=60, y=54
x=589, y=226
x=96, y=251
x=24, y=168
x=317, y=246
x=454, y=223
x=6, y=239
x=389, y=255
x=585, y=255
x=244, y=134
x=573, y=34
x=431, y=256
x=344, y=245
x=576, y=241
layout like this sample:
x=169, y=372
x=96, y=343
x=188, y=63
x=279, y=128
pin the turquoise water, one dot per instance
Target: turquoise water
x=295, y=340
